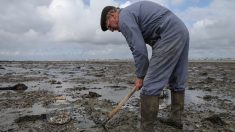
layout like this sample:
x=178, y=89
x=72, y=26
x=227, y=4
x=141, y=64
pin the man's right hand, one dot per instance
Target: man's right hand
x=139, y=83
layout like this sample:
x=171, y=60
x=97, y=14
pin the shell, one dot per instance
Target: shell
x=59, y=117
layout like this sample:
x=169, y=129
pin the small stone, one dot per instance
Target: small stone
x=203, y=74
x=1, y=67
x=93, y=95
x=215, y=119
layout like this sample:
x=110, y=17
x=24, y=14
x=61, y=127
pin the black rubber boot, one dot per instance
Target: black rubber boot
x=149, y=111
x=177, y=108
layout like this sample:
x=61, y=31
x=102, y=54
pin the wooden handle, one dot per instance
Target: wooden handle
x=120, y=104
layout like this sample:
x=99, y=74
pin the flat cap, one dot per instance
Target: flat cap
x=103, y=17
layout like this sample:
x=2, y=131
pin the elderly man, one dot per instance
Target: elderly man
x=144, y=23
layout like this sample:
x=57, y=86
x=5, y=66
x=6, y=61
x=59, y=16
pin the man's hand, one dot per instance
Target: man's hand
x=138, y=83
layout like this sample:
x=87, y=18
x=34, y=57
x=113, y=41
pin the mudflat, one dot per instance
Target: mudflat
x=77, y=95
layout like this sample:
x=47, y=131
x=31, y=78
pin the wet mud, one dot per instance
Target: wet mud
x=76, y=97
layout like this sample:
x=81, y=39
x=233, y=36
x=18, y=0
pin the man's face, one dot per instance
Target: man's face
x=112, y=22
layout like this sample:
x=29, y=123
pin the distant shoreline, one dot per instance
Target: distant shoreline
x=225, y=61
x=108, y=60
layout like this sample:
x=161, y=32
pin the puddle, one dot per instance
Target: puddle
x=194, y=96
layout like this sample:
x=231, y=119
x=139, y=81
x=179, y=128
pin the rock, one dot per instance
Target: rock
x=91, y=95
x=55, y=82
x=30, y=118
x=215, y=119
x=207, y=89
x=99, y=75
x=209, y=97
x=78, y=89
x=17, y=87
x=58, y=86
x=209, y=80
x=203, y=74
x=1, y=67
x=20, y=86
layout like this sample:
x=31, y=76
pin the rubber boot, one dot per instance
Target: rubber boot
x=177, y=108
x=149, y=110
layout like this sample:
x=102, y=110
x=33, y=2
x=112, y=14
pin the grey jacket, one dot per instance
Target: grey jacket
x=140, y=23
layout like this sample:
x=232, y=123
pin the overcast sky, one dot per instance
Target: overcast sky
x=70, y=30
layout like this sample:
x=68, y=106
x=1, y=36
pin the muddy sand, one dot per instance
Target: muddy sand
x=76, y=96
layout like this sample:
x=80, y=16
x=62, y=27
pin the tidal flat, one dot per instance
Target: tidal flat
x=75, y=96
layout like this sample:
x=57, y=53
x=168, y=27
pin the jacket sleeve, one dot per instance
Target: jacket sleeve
x=134, y=38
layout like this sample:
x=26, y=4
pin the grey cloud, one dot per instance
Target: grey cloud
x=69, y=29
x=211, y=29
x=20, y=16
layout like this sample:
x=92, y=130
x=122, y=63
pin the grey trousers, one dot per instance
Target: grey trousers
x=169, y=61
